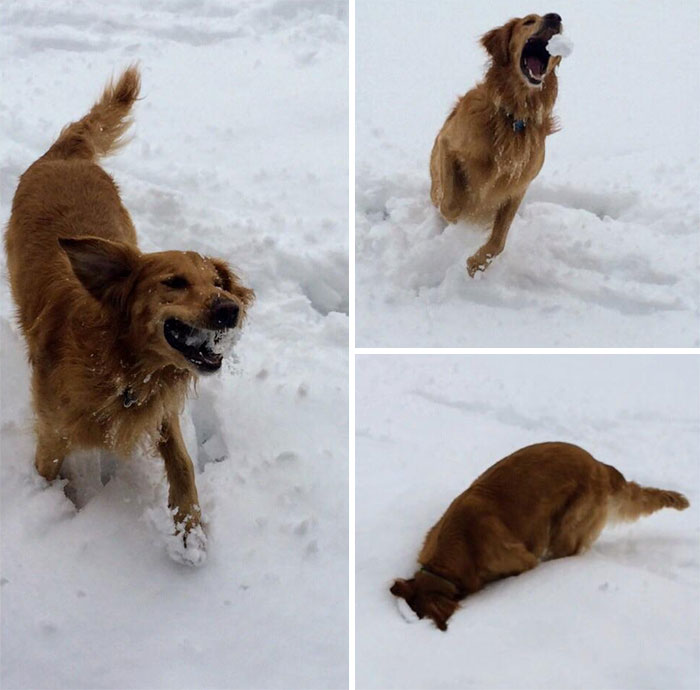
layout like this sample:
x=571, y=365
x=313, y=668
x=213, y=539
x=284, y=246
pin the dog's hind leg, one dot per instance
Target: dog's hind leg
x=448, y=193
x=578, y=527
x=481, y=259
x=182, y=495
x=502, y=553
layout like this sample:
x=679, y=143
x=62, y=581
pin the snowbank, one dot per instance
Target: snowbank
x=604, y=249
x=240, y=151
x=624, y=615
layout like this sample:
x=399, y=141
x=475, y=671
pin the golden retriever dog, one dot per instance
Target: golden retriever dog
x=545, y=501
x=491, y=146
x=115, y=336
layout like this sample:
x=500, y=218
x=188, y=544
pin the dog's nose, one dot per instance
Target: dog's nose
x=224, y=313
x=552, y=19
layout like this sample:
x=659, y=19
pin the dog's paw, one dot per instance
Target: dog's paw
x=478, y=262
x=188, y=547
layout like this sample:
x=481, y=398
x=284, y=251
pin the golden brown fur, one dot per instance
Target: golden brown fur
x=492, y=144
x=549, y=500
x=92, y=307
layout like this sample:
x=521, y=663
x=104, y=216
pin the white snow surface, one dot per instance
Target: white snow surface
x=625, y=615
x=239, y=151
x=560, y=45
x=604, y=248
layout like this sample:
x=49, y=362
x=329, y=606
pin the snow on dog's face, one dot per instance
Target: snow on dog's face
x=428, y=597
x=177, y=308
x=522, y=45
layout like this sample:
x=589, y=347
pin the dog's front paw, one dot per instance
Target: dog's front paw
x=478, y=262
x=188, y=545
x=195, y=546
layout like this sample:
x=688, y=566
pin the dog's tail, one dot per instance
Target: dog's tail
x=629, y=501
x=101, y=131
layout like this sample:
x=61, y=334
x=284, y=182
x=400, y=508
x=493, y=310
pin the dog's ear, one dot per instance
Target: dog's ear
x=497, y=43
x=439, y=608
x=100, y=265
x=225, y=275
x=231, y=284
x=403, y=588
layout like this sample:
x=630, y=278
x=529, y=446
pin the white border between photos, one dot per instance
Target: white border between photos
x=351, y=344
x=516, y=351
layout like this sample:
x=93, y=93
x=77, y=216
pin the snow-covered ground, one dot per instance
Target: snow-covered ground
x=604, y=249
x=624, y=615
x=239, y=151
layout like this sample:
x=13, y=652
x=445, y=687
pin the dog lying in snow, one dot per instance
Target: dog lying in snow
x=545, y=501
x=491, y=146
x=115, y=336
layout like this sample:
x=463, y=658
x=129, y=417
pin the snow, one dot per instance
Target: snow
x=604, y=249
x=625, y=615
x=223, y=342
x=239, y=150
x=560, y=45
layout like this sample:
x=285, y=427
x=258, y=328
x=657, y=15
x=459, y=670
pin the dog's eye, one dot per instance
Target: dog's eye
x=219, y=283
x=528, y=22
x=176, y=282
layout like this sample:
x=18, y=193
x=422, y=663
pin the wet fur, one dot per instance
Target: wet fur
x=549, y=500
x=480, y=168
x=91, y=305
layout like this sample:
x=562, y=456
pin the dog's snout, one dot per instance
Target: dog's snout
x=224, y=313
x=552, y=19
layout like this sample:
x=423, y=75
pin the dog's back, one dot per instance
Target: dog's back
x=555, y=498
x=65, y=193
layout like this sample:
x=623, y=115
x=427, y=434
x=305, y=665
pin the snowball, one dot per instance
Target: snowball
x=560, y=45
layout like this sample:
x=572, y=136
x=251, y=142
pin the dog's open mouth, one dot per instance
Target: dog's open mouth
x=202, y=347
x=534, y=59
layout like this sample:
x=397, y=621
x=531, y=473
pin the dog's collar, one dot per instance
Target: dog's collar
x=517, y=125
x=129, y=397
x=427, y=571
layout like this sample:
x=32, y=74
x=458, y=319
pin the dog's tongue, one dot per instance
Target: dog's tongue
x=535, y=65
